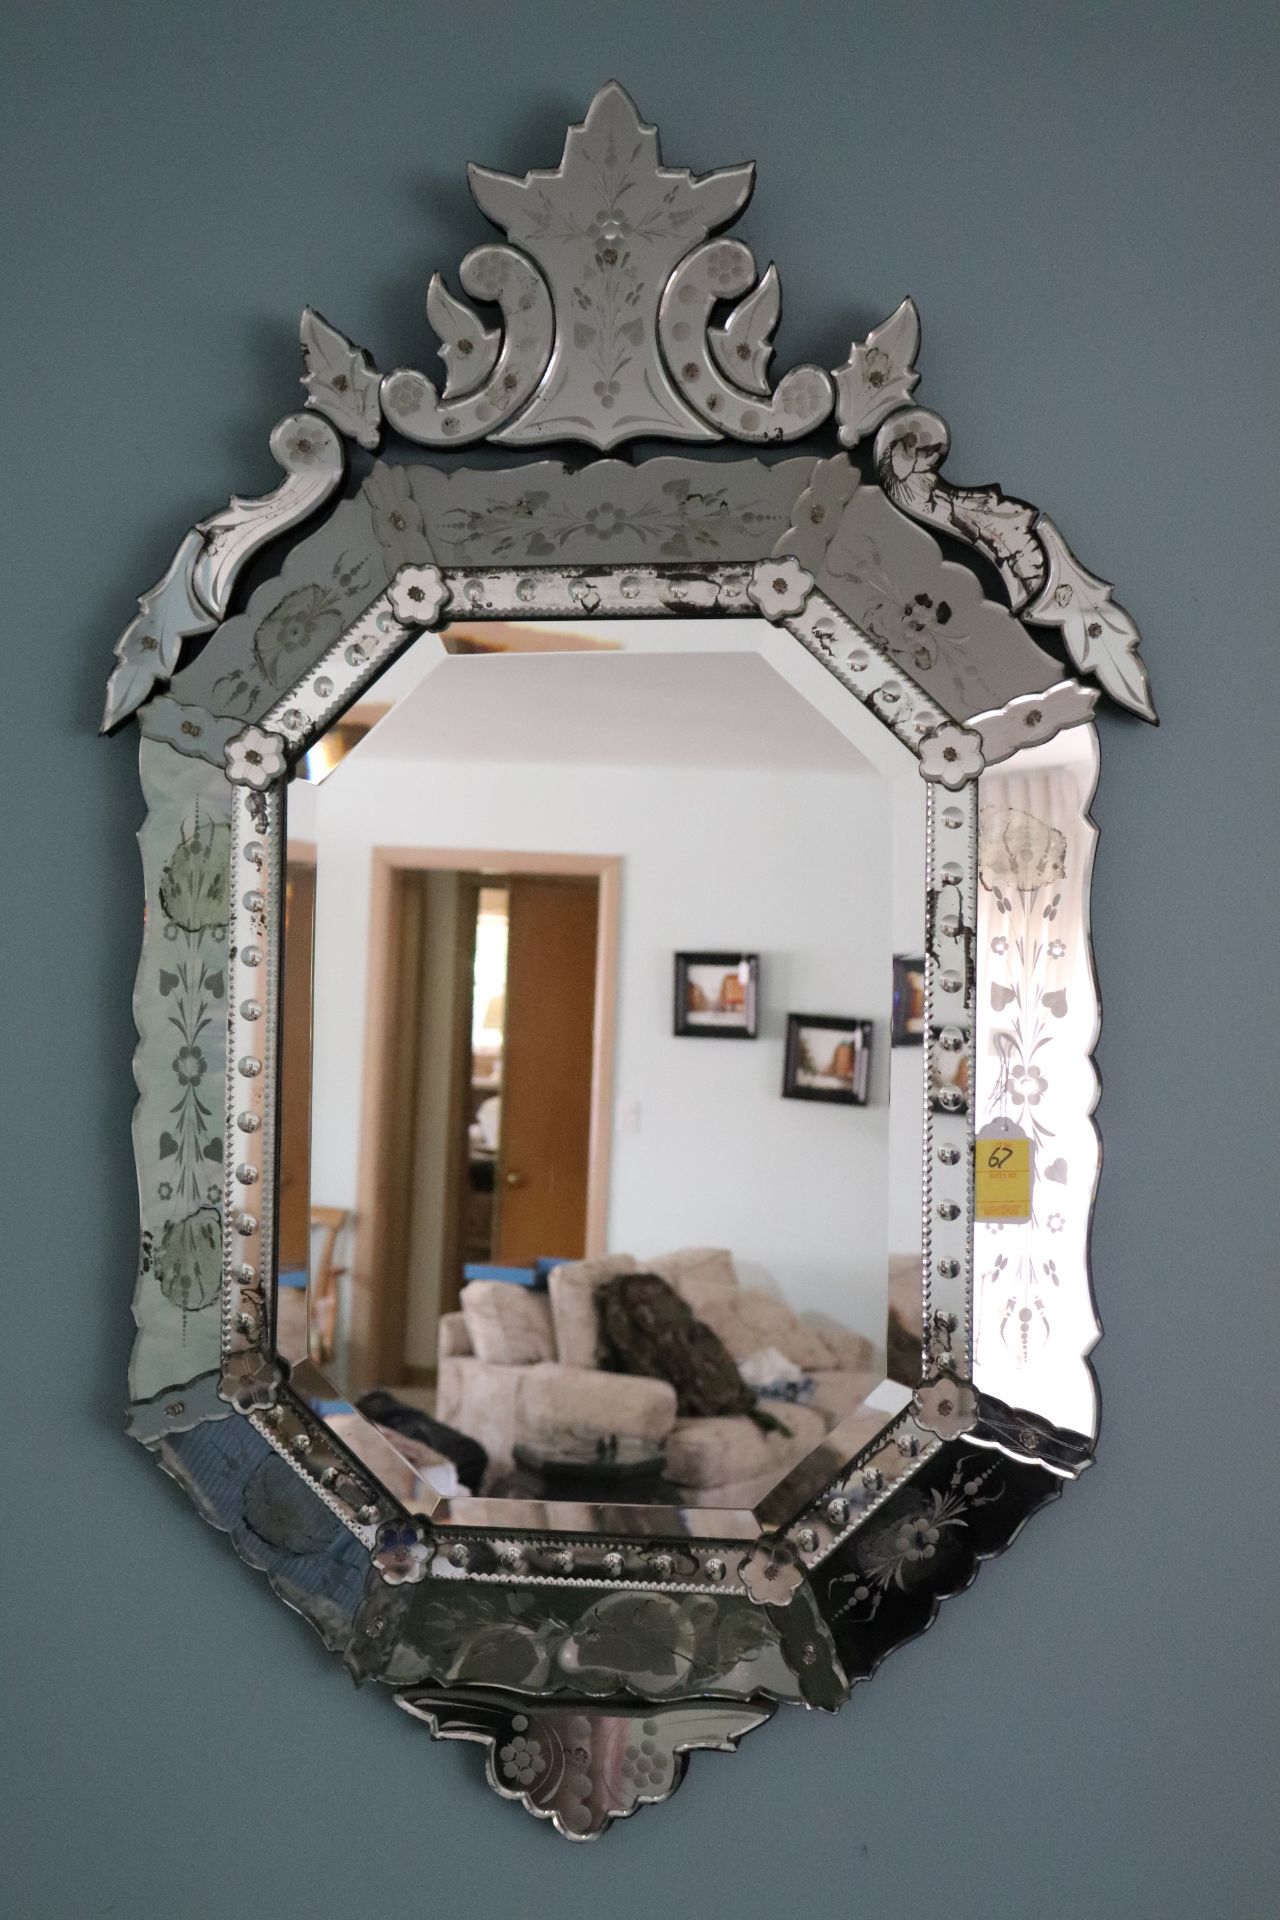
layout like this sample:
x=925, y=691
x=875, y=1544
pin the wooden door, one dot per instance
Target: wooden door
x=295, y=1064
x=546, y=1069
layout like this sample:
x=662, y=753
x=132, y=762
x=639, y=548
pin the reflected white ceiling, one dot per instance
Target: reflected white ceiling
x=704, y=709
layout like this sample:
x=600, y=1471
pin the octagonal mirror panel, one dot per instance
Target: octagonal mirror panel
x=602, y=1074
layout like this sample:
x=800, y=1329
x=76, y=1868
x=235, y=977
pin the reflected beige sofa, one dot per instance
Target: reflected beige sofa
x=516, y=1365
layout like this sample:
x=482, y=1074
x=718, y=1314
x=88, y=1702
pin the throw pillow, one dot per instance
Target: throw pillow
x=693, y=1270
x=646, y=1328
x=572, y=1290
x=747, y=1320
x=507, y=1325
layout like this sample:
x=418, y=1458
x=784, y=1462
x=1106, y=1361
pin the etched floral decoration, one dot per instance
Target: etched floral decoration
x=296, y=632
x=1031, y=881
x=951, y=755
x=250, y=1380
x=254, y=758
x=780, y=588
x=946, y=1406
x=402, y=1555
x=1019, y=851
x=805, y=393
x=417, y=595
x=771, y=1574
x=521, y=1758
x=1027, y=1085
x=305, y=444
x=192, y=984
x=918, y=1540
x=673, y=520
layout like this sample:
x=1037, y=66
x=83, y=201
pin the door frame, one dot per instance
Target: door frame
x=381, y=1242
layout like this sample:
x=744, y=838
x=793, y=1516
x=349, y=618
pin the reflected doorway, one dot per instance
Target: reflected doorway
x=485, y=1131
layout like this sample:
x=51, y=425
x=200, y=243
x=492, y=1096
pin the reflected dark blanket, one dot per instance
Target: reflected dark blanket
x=467, y=1455
x=646, y=1328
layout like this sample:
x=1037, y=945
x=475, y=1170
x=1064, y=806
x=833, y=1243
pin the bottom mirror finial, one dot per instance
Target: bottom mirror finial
x=578, y=1765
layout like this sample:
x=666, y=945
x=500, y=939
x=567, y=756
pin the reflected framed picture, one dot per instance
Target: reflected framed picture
x=908, y=1000
x=948, y=1070
x=828, y=1058
x=717, y=996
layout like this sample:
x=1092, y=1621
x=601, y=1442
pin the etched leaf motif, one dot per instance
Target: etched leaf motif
x=505, y=1655
x=1100, y=636
x=748, y=409
x=879, y=376
x=611, y=148
x=149, y=648
x=189, y=1260
x=131, y=680
x=398, y=522
x=473, y=409
x=606, y=228
x=743, y=346
x=340, y=379
x=467, y=347
x=282, y=1510
x=646, y=1638
x=193, y=883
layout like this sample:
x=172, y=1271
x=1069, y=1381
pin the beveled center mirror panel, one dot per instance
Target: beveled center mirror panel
x=531, y=878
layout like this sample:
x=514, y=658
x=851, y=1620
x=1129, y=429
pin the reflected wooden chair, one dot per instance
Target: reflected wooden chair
x=328, y=1223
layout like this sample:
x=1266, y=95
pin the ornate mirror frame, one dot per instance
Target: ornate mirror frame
x=590, y=1650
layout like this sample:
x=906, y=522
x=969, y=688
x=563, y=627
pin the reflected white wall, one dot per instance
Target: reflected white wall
x=799, y=867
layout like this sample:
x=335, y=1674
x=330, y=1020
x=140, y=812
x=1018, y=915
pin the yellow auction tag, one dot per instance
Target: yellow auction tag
x=1002, y=1175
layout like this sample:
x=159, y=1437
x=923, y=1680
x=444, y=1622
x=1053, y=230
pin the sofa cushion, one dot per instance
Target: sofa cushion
x=452, y=1339
x=695, y=1271
x=507, y=1325
x=570, y=1407
x=747, y=1320
x=480, y=1400
x=709, y=1453
x=572, y=1292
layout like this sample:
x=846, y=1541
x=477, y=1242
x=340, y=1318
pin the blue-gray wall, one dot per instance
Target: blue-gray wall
x=1081, y=199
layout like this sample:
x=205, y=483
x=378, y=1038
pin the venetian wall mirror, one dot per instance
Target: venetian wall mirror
x=595, y=1390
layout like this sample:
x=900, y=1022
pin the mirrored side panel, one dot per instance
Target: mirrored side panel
x=1037, y=1151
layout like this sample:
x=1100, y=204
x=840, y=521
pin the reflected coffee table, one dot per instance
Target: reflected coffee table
x=627, y=1473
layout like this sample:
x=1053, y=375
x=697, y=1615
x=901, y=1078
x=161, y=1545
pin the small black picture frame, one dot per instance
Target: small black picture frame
x=717, y=996
x=907, y=1029
x=828, y=1058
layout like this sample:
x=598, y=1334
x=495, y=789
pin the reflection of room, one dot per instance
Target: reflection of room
x=738, y=813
